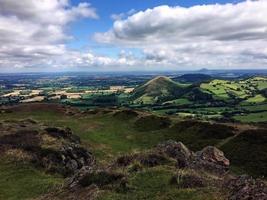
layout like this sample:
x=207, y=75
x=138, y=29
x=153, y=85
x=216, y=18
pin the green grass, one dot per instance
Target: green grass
x=248, y=152
x=181, y=101
x=255, y=107
x=222, y=89
x=252, y=117
x=154, y=184
x=108, y=136
x=256, y=99
x=20, y=181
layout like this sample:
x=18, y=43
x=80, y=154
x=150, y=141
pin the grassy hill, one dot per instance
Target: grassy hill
x=159, y=89
x=248, y=90
x=111, y=133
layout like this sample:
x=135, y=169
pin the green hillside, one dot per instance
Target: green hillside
x=248, y=90
x=113, y=136
x=163, y=90
x=159, y=89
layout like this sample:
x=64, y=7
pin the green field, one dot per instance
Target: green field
x=21, y=181
x=252, y=117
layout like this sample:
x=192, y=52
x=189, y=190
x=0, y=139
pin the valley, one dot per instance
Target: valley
x=198, y=96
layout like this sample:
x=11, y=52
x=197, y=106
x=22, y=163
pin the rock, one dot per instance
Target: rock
x=54, y=149
x=214, y=155
x=61, y=133
x=212, y=159
x=67, y=161
x=246, y=188
x=72, y=165
x=178, y=151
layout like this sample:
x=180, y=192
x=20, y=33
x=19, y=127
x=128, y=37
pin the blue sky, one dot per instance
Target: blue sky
x=127, y=35
x=84, y=29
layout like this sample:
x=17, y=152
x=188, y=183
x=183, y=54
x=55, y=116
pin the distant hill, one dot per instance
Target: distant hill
x=159, y=89
x=193, y=78
x=203, y=89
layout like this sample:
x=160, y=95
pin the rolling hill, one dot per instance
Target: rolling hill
x=159, y=89
x=162, y=90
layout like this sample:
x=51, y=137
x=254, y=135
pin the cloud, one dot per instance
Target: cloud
x=121, y=16
x=33, y=33
x=216, y=35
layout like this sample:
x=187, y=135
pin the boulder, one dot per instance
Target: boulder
x=178, y=151
x=212, y=159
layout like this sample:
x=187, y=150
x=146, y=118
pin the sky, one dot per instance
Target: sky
x=132, y=35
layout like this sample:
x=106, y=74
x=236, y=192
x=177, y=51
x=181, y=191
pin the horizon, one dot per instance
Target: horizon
x=212, y=72
x=162, y=35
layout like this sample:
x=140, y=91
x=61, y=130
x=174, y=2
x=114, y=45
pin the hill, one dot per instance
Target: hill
x=127, y=156
x=193, y=78
x=203, y=89
x=248, y=90
x=159, y=89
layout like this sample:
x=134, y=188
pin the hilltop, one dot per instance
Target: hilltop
x=162, y=89
x=159, y=89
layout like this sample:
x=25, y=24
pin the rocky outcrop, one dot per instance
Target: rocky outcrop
x=56, y=150
x=209, y=159
x=212, y=159
x=178, y=151
x=246, y=188
x=69, y=159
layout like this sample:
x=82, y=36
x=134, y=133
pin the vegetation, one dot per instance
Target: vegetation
x=197, y=110
x=21, y=181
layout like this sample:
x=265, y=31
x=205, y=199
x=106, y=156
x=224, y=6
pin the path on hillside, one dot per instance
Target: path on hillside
x=238, y=129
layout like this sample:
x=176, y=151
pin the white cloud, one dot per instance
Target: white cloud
x=121, y=16
x=218, y=35
x=32, y=33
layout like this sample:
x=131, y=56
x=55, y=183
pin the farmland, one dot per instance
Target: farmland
x=240, y=99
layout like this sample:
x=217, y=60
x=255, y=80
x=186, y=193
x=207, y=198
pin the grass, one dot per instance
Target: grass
x=21, y=181
x=256, y=99
x=154, y=183
x=108, y=137
x=222, y=89
x=181, y=101
x=252, y=117
x=248, y=152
